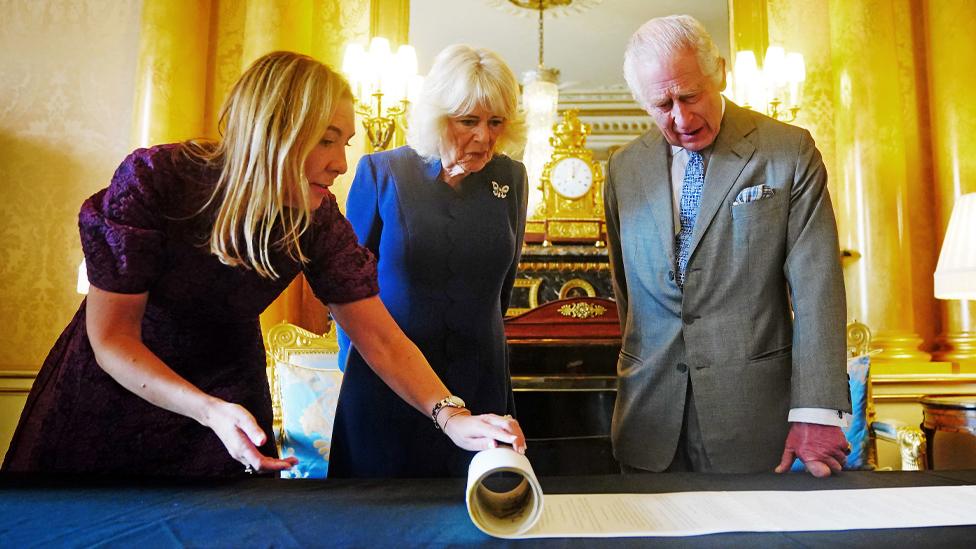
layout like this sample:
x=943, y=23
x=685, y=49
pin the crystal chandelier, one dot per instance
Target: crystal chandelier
x=540, y=99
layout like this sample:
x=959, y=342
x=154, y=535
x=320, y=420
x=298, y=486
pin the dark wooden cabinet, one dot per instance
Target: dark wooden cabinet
x=563, y=365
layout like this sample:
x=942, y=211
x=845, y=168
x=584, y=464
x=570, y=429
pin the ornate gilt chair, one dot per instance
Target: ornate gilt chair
x=304, y=374
x=859, y=434
x=910, y=440
x=863, y=429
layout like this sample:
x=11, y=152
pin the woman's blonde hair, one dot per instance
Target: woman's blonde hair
x=461, y=79
x=274, y=116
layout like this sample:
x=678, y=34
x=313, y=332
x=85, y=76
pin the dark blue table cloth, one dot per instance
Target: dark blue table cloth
x=267, y=512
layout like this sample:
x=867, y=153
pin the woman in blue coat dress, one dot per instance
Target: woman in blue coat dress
x=445, y=216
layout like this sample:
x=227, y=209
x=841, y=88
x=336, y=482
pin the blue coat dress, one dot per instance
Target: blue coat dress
x=447, y=262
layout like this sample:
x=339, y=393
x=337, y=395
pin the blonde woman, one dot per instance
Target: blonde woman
x=446, y=218
x=162, y=369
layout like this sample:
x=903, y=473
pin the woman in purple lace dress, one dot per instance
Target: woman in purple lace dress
x=162, y=369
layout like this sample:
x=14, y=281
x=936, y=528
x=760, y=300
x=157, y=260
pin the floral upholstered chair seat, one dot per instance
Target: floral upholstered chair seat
x=305, y=379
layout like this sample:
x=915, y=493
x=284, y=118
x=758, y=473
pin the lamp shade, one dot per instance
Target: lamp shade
x=955, y=274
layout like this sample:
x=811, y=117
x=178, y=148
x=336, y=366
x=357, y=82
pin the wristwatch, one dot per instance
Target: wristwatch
x=449, y=401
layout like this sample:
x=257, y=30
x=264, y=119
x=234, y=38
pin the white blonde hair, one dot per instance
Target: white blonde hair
x=274, y=116
x=663, y=37
x=462, y=79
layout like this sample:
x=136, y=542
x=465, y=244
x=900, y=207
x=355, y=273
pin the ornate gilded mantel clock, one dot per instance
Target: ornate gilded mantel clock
x=572, y=181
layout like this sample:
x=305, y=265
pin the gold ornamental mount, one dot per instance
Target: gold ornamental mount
x=570, y=132
x=554, y=8
x=540, y=4
x=582, y=310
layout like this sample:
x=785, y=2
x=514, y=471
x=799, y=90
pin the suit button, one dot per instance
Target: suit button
x=670, y=275
x=682, y=367
x=689, y=319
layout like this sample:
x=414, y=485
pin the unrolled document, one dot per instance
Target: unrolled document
x=514, y=506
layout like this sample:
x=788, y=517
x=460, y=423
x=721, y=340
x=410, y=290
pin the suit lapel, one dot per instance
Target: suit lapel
x=729, y=156
x=657, y=188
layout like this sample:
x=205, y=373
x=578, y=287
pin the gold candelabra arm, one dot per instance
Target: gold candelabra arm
x=380, y=125
x=773, y=110
x=788, y=115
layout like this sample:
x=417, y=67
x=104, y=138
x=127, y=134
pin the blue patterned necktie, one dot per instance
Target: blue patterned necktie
x=691, y=191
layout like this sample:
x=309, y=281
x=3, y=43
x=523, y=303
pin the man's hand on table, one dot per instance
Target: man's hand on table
x=821, y=448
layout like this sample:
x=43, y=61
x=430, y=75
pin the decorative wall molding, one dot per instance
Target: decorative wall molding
x=614, y=117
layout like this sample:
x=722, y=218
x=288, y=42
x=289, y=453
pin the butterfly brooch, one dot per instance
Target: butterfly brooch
x=500, y=191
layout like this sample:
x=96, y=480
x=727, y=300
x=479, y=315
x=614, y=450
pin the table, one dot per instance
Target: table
x=265, y=512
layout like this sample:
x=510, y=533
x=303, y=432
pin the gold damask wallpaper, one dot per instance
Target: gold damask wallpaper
x=66, y=82
x=67, y=90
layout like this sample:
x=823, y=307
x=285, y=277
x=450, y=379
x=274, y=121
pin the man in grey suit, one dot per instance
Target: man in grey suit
x=727, y=275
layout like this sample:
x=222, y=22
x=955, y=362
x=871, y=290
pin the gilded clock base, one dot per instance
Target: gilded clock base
x=573, y=230
x=535, y=231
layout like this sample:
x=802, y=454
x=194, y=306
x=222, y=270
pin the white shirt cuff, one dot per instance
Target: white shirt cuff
x=821, y=416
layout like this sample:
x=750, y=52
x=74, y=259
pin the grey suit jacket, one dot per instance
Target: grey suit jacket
x=730, y=333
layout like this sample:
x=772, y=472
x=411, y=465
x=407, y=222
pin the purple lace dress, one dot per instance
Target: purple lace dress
x=140, y=235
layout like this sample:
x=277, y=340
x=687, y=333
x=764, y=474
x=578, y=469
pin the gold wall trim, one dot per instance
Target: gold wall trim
x=912, y=387
x=554, y=266
x=906, y=397
x=16, y=382
x=896, y=379
x=18, y=374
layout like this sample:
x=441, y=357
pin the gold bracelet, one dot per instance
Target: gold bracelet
x=449, y=401
x=446, y=421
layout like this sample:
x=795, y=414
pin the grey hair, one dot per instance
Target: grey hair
x=462, y=79
x=662, y=37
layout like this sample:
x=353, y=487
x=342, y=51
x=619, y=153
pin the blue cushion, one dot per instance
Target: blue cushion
x=858, y=369
x=308, y=403
x=856, y=432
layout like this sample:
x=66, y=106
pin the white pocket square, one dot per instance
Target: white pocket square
x=752, y=194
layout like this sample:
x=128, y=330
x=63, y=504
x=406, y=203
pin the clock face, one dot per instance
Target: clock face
x=571, y=177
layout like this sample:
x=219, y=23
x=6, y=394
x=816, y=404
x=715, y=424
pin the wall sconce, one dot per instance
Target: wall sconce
x=776, y=87
x=955, y=274
x=383, y=85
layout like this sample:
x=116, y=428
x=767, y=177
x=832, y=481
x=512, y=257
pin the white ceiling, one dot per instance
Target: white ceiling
x=586, y=47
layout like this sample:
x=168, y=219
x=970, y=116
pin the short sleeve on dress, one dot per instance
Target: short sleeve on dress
x=121, y=228
x=340, y=269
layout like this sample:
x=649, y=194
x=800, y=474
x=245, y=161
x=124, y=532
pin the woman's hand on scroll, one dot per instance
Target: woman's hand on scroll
x=242, y=435
x=483, y=432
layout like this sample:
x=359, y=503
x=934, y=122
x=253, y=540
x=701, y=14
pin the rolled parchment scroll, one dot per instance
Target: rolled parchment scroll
x=503, y=496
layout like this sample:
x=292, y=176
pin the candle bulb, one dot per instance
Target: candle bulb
x=796, y=74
